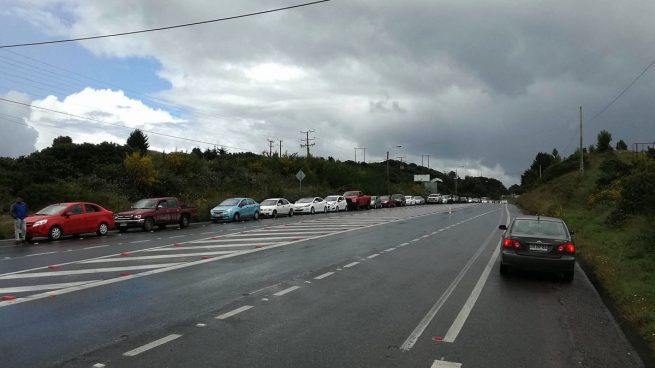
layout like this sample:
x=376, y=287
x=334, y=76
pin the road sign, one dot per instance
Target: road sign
x=300, y=175
x=423, y=178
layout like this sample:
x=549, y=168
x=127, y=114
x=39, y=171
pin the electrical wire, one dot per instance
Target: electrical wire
x=163, y=28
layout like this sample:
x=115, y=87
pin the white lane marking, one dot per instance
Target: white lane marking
x=372, y=256
x=254, y=235
x=287, y=290
x=463, y=314
x=98, y=365
x=176, y=236
x=321, y=277
x=160, y=256
x=234, y=312
x=201, y=324
x=140, y=241
x=390, y=249
x=80, y=272
x=445, y=364
x=207, y=232
x=20, y=289
x=414, y=240
x=39, y=254
x=351, y=264
x=152, y=345
x=183, y=248
x=425, y=236
x=404, y=244
x=97, y=246
x=180, y=265
x=227, y=239
x=418, y=331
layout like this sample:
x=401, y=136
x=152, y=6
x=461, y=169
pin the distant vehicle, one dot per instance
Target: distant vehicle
x=409, y=200
x=536, y=243
x=469, y=199
x=455, y=199
x=484, y=200
x=357, y=199
x=434, y=198
x=447, y=198
x=418, y=200
x=336, y=203
x=274, y=207
x=387, y=202
x=376, y=202
x=72, y=218
x=150, y=212
x=235, y=209
x=310, y=205
x=399, y=200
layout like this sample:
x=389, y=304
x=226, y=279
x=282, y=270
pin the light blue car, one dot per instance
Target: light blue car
x=235, y=209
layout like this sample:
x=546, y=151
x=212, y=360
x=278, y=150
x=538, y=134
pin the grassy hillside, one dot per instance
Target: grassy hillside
x=611, y=209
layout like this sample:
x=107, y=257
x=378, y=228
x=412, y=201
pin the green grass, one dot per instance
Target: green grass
x=622, y=259
x=6, y=227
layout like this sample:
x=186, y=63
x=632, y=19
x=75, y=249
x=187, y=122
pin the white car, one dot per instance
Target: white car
x=418, y=200
x=434, y=198
x=336, y=203
x=274, y=207
x=409, y=201
x=310, y=205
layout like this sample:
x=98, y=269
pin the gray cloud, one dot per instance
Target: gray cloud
x=17, y=138
x=464, y=81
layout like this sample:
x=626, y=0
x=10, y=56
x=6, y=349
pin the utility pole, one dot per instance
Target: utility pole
x=270, y=147
x=581, y=152
x=307, y=140
x=360, y=148
x=428, y=156
x=388, y=192
x=280, y=148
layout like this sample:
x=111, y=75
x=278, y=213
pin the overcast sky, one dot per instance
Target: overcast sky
x=479, y=86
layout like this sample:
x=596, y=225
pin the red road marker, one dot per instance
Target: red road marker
x=178, y=244
x=205, y=257
x=7, y=297
x=124, y=274
x=438, y=338
x=125, y=254
x=259, y=246
x=52, y=296
x=215, y=237
x=53, y=267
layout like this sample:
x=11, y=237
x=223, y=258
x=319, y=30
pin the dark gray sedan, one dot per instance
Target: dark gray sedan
x=536, y=243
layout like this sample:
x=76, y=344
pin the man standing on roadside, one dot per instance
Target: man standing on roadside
x=19, y=213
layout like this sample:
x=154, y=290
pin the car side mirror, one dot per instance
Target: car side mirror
x=68, y=214
x=502, y=227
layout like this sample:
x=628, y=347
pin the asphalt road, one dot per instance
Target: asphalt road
x=407, y=287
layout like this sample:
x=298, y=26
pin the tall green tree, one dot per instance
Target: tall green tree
x=62, y=140
x=621, y=145
x=603, y=141
x=138, y=141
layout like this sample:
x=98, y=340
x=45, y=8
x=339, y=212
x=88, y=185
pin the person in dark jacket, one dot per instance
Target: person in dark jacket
x=19, y=213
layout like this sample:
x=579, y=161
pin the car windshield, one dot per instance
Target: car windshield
x=538, y=228
x=305, y=200
x=331, y=198
x=145, y=204
x=230, y=202
x=269, y=202
x=351, y=193
x=53, y=209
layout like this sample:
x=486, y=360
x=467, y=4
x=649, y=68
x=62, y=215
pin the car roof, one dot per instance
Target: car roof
x=538, y=218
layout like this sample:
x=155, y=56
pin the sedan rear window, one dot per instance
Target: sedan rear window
x=269, y=202
x=540, y=228
x=305, y=200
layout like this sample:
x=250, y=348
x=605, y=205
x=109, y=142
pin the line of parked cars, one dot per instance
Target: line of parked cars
x=449, y=198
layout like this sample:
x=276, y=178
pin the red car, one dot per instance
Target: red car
x=72, y=218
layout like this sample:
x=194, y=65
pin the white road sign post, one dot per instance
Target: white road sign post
x=300, y=176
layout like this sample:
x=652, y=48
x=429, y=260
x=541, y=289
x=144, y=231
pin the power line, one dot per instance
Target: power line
x=307, y=140
x=115, y=124
x=163, y=28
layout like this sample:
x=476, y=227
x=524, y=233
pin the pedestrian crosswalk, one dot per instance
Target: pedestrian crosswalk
x=43, y=282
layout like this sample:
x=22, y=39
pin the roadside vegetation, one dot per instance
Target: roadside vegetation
x=115, y=175
x=611, y=208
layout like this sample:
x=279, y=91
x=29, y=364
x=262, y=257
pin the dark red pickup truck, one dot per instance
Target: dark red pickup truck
x=150, y=212
x=357, y=199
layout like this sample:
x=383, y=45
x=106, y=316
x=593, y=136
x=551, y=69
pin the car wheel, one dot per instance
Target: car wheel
x=255, y=216
x=236, y=217
x=290, y=213
x=568, y=276
x=55, y=233
x=504, y=269
x=148, y=224
x=274, y=213
x=184, y=221
x=103, y=229
x=311, y=211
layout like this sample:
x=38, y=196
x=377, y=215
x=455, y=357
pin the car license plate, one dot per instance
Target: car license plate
x=123, y=224
x=538, y=248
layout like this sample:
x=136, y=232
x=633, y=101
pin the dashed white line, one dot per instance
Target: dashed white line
x=390, y=249
x=372, y=256
x=140, y=241
x=20, y=289
x=287, y=291
x=404, y=244
x=445, y=364
x=97, y=246
x=234, y=312
x=98, y=365
x=415, y=240
x=39, y=254
x=176, y=236
x=351, y=264
x=425, y=236
x=80, y=272
x=152, y=345
x=159, y=256
x=321, y=277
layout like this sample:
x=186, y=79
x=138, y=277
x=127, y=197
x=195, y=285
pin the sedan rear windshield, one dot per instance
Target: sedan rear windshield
x=539, y=228
x=351, y=194
x=305, y=200
x=230, y=202
x=52, y=210
x=145, y=203
x=269, y=202
x=331, y=198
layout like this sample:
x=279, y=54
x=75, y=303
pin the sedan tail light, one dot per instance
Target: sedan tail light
x=568, y=248
x=512, y=244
